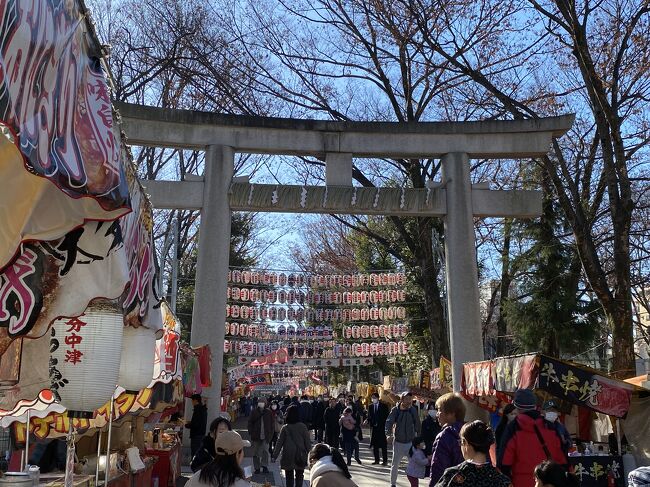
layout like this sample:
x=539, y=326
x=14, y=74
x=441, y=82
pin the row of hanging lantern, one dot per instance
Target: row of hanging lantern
x=393, y=330
x=278, y=313
x=314, y=350
x=291, y=296
x=316, y=280
x=278, y=372
x=282, y=332
x=93, y=353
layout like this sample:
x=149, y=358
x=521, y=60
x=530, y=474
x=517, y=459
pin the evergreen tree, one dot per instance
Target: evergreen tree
x=550, y=314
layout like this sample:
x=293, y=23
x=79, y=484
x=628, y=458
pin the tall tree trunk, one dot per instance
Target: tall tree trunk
x=504, y=288
x=433, y=305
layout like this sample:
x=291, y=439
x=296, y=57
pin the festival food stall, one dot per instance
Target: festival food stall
x=585, y=394
x=117, y=426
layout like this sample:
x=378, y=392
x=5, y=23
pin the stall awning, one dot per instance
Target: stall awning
x=566, y=380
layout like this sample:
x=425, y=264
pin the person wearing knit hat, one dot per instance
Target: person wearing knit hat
x=527, y=441
x=525, y=400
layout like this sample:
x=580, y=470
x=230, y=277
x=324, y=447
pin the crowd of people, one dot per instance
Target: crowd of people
x=528, y=449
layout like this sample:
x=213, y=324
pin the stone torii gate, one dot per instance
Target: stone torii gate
x=456, y=200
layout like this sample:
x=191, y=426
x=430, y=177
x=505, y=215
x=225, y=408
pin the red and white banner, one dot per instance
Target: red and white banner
x=61, y=155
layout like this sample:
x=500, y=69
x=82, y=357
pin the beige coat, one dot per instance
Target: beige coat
x=325, y=474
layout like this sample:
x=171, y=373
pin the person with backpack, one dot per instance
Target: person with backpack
x=528, y=441
x=403, y=424
x=446, y=447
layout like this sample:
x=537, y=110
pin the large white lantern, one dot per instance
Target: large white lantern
x=136, y=365
x=85, y=358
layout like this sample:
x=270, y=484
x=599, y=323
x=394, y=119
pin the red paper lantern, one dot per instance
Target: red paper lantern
x=234, y=311
x=246, y=277
x=365, y=331
x=253, y=330
x=234, y=329
x=244, y=312
x=364, y=280
x=374, y=331
x=255, y=277
x=273, y=313
x=373, y=348
x=273, y=278
x=374, y=314
x=282, y=314
x=401, y=295
x=355, y=280
x=243, y=329
x=401, y=313
x=245, y=294
x=365, y=349
x=226, y=346
x=282, y=279
x=282, y=296
x=236, y=276
x=390, y=313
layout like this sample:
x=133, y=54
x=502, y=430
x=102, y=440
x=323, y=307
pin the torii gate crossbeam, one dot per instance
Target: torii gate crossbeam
x=455, y=200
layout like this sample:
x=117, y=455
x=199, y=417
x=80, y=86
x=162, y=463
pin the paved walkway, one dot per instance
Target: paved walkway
x=366, y=475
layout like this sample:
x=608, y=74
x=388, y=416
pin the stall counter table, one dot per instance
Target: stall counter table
x=595, y=470
x=168, y=467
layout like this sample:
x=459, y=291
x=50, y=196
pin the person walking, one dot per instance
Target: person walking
x=306, y=411
x=278, y=421
x=446, y=450
x=377, y=415
x=206, y=453
x=327, y=468
x=348, y=432
x=476, y=469
x=318, y=419
x=294, y=443
x=430, y=428
x=509, y=414
x=225, y=470
x=332, y=429
x=260, y=430
x=403, y=424
x=197, y=424
x=527, y=441
x=418, y=462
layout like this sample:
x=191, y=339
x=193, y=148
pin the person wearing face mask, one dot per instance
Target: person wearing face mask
x=377, y=415
x=206, y=453
x=551, y=412
x=278, y=421
x=430, y=427
x=508, y=415
x=404, y=421
x=261, y=429
x=348, y=433
x=418, y=461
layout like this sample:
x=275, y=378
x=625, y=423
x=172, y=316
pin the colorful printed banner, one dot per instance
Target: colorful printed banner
x=584, y=387
x=251, y=381
x=61, y=153
x=514, y=373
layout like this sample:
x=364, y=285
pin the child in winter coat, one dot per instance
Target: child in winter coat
x=418, y=461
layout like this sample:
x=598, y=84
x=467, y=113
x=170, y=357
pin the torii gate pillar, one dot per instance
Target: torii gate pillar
x=461, y=269
x=212, y=266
